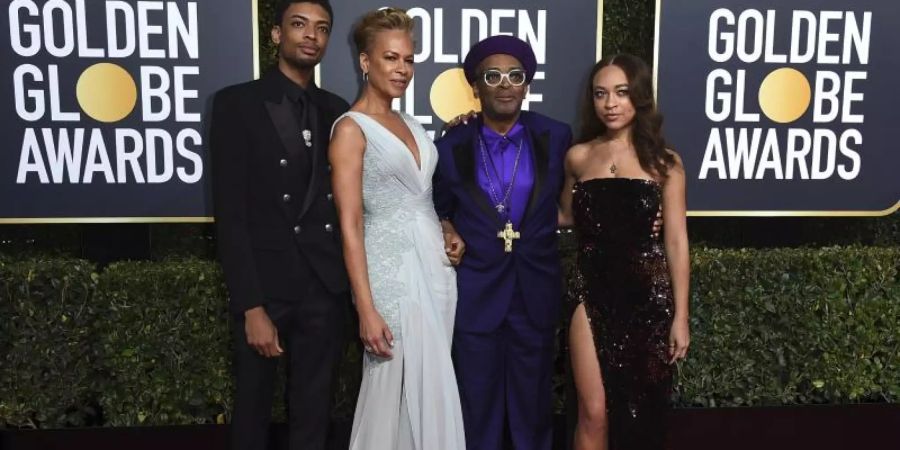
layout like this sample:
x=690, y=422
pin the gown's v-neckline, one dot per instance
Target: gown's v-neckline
x=416, y=161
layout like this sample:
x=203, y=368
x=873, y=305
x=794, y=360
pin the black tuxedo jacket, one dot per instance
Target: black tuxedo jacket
x=275, y=219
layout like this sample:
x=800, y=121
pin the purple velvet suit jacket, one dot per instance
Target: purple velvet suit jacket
x=488, y=277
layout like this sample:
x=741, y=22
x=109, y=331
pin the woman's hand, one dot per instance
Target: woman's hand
x=375, y=334
x=679, y=339
x=454, y=246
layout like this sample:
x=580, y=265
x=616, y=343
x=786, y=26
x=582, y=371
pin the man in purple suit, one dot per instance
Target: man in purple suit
x=496, y=187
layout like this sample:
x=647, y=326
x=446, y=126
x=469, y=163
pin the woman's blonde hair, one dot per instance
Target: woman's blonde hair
x=379, y=20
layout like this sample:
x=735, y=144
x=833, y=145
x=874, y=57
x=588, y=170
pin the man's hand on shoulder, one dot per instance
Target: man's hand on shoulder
x=460, y=119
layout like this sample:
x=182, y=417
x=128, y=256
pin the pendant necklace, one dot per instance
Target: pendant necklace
x=500, y=204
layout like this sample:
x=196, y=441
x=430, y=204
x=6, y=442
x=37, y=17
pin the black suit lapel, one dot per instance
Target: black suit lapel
x=464, y=156
x=282, y=116
x=540, y=150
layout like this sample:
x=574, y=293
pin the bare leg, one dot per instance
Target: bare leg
x=591, y=431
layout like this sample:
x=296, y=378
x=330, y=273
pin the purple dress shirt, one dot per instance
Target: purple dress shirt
x=499, y=160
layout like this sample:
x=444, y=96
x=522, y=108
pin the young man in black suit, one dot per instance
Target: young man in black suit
x=277, y=232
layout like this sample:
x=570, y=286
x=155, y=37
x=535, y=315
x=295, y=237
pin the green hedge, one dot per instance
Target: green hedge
x=48, y=351
x=148, y=342
x=164, y=343
x=794, y=326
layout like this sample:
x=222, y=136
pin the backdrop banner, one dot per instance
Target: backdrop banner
x=103, y=118
x=777, y=109
x=782, y=108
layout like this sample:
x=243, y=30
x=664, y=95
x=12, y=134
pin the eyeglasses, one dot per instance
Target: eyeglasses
x=493, y=77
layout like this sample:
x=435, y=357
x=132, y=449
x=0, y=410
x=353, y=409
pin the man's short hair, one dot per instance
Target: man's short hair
x=283, y=5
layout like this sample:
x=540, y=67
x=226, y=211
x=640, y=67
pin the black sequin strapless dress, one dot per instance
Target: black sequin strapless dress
x=622, y=279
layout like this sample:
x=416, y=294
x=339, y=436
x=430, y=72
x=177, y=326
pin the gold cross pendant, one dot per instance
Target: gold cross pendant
x=508, y=235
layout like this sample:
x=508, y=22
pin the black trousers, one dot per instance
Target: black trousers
x=311, y=332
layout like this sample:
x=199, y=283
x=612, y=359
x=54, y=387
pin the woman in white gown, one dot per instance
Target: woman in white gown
x=403, y=283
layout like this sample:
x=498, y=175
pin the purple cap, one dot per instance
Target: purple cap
x=500, y=45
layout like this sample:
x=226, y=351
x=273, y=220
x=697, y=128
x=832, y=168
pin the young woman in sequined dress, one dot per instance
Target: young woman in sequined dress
x=630, y=286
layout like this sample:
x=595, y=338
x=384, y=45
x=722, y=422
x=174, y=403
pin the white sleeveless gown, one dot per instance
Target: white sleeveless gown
x=411, y=401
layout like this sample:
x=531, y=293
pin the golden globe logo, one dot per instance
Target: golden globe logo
x=831, y=41
x=66, y=146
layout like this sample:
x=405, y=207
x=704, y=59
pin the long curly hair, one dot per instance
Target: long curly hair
x=646, y=130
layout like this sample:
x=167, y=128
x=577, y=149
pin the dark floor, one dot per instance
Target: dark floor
x=854, y=427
